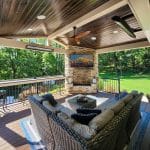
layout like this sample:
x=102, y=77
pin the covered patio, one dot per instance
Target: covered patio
x=82, y=30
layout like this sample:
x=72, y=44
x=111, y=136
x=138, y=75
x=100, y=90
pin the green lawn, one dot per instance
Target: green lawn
x=129, y=82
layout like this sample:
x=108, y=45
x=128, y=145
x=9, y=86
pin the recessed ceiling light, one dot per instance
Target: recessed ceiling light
x=115, y=32
x=41, y=17
x=29, y=29
x=93, y=38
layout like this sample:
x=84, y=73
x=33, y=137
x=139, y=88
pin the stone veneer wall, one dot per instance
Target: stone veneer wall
x=80, y=80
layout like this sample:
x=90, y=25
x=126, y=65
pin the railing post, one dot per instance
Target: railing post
x=119, y=85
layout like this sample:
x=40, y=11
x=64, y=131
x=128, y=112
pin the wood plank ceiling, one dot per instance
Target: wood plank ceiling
x=103, y=29
x=17, y=16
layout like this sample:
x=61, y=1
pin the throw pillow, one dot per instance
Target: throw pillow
x=83, y=118
x=50, y=98
x=88, y=111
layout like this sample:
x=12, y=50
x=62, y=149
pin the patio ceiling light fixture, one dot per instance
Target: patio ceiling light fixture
x=115, y=32
x=41, y=17
x=124, y=26
x=38, y=47
x=29, y=29
x=93, y=38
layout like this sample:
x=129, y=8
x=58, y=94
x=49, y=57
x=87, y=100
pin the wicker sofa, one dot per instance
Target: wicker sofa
x=57, y=135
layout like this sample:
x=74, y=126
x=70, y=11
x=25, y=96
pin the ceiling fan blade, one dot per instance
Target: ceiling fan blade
x=124, y=25
x=82, y=34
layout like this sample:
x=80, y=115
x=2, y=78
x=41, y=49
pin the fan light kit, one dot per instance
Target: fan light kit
x=115, y=31
x=93, y=38
x=41, y=17
x=29, y=29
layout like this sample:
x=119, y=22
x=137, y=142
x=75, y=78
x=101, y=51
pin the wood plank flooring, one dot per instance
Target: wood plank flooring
x=11, y=135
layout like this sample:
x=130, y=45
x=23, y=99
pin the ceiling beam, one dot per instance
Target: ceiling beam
x=22, y=36
x=123, y=47
x=100, y=11
x=60, y=43
x=21, y=45
x=141, y=10
x=12, y=43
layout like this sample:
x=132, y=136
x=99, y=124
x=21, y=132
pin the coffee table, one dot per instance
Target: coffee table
x=73, y=103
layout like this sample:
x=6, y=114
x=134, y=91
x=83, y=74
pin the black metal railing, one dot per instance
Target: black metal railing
x=12, y=91
x=109, y=85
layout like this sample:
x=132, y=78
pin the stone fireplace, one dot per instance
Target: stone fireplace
x=81, y=79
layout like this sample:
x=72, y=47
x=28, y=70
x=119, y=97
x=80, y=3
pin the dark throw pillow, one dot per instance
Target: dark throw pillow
x=83, y=118
x=50, y=98
x=88, y=111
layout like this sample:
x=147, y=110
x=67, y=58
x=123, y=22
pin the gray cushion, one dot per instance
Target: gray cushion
x=38, y=98
x=47, y=105
x=117, y=107
x=64, y=109
x=84, y=130
x=127, y=98
x=69, y=121
x=101, y=120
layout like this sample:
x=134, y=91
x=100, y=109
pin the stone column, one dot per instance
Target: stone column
x=78, y=74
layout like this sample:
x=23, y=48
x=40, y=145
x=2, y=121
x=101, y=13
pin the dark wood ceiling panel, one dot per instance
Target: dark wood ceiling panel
x=103, y=29
x=16, y=16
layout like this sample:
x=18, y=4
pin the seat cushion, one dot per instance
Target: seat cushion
x=117, y=107
x=83, y=118
x=64, y=109
x=68, y=120
x=84, y=130
x=88, y=111
x=98, y=122
x=47, y=105
x=50, y=98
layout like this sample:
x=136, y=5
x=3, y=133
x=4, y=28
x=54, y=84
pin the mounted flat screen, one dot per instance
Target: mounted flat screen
x=81, y=60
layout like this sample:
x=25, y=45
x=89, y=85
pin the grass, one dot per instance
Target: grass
x=131, y=81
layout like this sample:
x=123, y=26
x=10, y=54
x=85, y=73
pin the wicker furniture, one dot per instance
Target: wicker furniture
x=57, y=135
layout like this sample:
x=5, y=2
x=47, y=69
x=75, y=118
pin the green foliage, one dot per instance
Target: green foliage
x=100, y=84
x=16, y=63
x=137, y=60
x=132, y=66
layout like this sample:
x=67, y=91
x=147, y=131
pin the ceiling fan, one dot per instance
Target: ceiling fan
x=77, y=37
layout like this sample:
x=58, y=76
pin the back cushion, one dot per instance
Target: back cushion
x=101, y=120
x=117, y=107
x=127, y=98
x=49, y=97
x=47, y=105
x=38, y=98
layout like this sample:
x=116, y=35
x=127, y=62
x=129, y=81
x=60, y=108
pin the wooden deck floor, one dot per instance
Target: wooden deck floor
x=11, y=135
